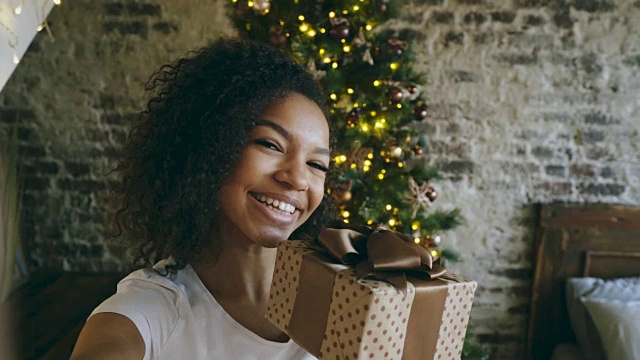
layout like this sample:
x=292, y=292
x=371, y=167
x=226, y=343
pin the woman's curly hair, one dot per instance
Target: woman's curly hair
x=188, y=139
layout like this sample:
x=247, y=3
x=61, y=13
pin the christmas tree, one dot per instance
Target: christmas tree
x=375, y=96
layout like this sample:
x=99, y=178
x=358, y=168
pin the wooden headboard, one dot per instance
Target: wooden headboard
x=575, y=240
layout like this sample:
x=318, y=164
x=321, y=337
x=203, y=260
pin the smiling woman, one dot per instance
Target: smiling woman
x=230, y=158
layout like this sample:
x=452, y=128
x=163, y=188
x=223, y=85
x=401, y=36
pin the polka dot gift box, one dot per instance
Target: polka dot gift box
x=337, y=305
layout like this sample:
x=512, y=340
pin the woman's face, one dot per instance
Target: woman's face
x=279, y=179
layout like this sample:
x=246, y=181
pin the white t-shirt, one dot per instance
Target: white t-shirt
x=178, y=318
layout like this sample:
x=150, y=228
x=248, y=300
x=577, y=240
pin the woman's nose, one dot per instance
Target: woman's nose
x=293, y=173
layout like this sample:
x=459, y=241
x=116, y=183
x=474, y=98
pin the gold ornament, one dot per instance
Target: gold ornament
x=418, y=196
x=261, y=7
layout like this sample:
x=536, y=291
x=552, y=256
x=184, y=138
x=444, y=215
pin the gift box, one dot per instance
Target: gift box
x=337, y=305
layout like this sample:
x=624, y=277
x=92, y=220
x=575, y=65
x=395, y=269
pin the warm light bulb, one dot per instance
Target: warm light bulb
x=326, y=60
x=380, y=176
x=415, y=225
x=353, y=166
x=394, y=66
x=378, y=125
x=57, y=2
x=250, y=3
x=333, y=97
x=346, y=221
x=383, y=171
x=334, y=65
x=399, y=106
x=311, y=33
x=345, y=12
x=365, y=127
x=350, y=90
x=400, y=164
x=322, y=30
x=301, y=17
x=373, y=113
x=321, y=51
x=434, y=252
x=392, y=222
x=388, y=207
x=369, y=222
x=416, y=240
x=332, y=14
x=376, y=83
x=356, y=8
x=367, y=162
x=304, y=27
x=368, y=27
x=343, y=158
x=370, y=156
x=345, y=214
x=346, y=48
x=365, y=168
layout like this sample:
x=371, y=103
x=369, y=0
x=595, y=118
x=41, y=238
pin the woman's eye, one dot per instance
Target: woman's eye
x=319, y=166
x=268, y=144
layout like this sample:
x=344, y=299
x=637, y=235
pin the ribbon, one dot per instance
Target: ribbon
x=384, y=254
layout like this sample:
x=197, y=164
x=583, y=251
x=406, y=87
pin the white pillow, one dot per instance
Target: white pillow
x=580, y=289
x=618, y=323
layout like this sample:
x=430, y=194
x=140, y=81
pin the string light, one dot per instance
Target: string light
x=340, y=159
x=311, y=33
x=434, y=253
x=345, y=214
x=321, y=51
x=250, y=3
x=58, y=2
x=346, y=221
x=334, y=65
x=353, y=166
x=350, y=90
x=392, y=222
x=332, y=14
x=416, y=240
x=365, y=127
x=378, y=125
x=415, y=225
x=370, y=156
x=365, y=168
x=399, y=106
x=373, y=113
x=367, y=162
x=380, y=176
x=18, y=9
x=376, y=83
x=394, y=66
x=369, y=222
x=301, y=17
x=346, y=48
x=345, y=12
x=326, y=60
x=400, y=164
x=356, y=8
x=322, y=30
x=333, y=97
x=388, y=207
x=304, y=27
x=368, y=27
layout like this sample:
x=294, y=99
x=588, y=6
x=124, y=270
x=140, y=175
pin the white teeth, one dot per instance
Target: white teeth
x=276, y=204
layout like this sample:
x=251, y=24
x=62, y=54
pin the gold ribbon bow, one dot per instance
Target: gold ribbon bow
x=381, y=253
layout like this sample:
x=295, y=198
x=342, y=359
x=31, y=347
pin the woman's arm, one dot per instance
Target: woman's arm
x=109, y=336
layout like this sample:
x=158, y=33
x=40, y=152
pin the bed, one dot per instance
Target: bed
x=576, y=242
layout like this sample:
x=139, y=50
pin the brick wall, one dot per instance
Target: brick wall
x=531, y=101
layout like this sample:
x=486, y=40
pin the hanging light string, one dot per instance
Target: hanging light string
x=13, y=39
